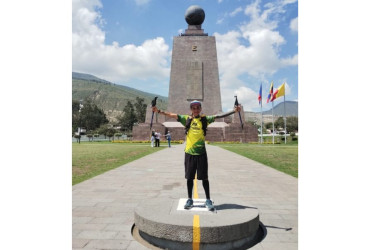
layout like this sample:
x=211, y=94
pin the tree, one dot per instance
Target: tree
x=292, y=124
x=127, y=120
x=269, y=125
x=77, y=137
x=90, y=117
x=279, y=123
x=110, y=132
x=96, y=135
x=140, y=109
x=103, y=129
x=75, y=118
x=118, y=135
x=90, y=137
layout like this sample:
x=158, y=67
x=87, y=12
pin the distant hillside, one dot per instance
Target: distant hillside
x=88, y=77
x=292, y=109
x=112, y=98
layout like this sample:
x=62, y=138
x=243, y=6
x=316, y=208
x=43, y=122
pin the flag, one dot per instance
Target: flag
x=279, y=92
x=260, y=95
x=270, y=95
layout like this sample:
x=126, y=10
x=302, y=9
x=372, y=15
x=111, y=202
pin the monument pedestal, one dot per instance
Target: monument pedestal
x=163, y=223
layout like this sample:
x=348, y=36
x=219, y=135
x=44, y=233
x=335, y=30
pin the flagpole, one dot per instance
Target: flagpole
x=260, y=94
x=285, y=119
x=261, y=121
x=272, y=116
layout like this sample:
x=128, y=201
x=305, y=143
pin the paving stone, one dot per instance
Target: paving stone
x=257, y=247
x=80, y=220
x=124, y=235
x=134, y=245
x=90, y=226
x=96, y=234
x=108, y=220
x=279, y=246
x=108, y=244
x=107, y=217
x=80, y=243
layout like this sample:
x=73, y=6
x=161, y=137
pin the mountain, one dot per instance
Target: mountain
x=292, y=109
x=110, y=97
x=88, y=77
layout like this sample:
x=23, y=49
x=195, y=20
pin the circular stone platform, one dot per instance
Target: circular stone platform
x=164, y=223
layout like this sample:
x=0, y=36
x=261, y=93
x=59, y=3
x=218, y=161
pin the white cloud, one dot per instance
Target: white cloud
x=289, y=61
x=258, y=57
x=142, y=2
x=114, y=62
x=236, y=11
x=246, y=97
x=294, y=24
x=220, y=1
x=288, y=89
x=288, y=2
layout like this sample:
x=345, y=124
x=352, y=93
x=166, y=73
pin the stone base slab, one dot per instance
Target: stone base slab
x=233, y=224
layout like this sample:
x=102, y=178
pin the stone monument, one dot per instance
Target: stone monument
x=194, y=68
x=194, y=76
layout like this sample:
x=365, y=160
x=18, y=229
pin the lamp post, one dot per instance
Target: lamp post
x=80, y=121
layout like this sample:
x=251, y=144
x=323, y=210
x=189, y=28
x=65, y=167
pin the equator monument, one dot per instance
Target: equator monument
x=164, y=221
x=194, y=76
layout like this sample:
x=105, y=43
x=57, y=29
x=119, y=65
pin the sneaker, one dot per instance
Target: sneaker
x=209, y=204
x=189, y=204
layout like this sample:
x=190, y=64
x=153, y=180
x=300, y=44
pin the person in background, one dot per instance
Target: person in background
x=168, y=137
x=157, y=136
x=152, y=138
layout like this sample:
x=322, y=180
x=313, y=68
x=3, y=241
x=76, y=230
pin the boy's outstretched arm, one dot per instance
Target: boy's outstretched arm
x=236, y=109
x=169, y=114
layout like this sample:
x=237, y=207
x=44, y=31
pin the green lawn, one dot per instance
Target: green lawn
x=283, y=157
x=93, y=158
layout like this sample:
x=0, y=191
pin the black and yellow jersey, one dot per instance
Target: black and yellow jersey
x=195, y=139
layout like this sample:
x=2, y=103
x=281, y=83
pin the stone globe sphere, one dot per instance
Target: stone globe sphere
x=194, y=15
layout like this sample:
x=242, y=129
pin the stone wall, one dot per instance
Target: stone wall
x=235, y=133
x=232, y=132
x=157, y=118
x=142, y=132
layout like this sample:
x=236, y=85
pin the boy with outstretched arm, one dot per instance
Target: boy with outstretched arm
x=196, y=159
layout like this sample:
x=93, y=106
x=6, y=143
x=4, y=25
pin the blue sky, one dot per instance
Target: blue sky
x=129, y=42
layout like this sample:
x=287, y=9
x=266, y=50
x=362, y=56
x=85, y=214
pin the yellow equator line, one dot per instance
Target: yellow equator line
x=196, y=233
x=196, y=222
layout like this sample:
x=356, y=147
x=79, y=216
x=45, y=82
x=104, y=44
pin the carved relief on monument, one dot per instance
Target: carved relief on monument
x=194, y=76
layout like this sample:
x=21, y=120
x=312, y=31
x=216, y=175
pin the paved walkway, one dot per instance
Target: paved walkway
x=103, y=207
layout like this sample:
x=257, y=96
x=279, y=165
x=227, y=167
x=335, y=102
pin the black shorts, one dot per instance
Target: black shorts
x=193, y=163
